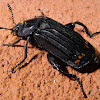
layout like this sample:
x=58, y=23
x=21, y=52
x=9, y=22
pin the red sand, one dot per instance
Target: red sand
x=38, y=80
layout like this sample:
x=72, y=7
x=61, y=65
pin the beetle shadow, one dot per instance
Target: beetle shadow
x=92, y=67
x=86, y=69
x=20, y=46
x=23, y=66
x=33, y=58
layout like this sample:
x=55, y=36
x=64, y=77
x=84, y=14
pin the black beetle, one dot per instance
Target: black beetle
x=63, y=44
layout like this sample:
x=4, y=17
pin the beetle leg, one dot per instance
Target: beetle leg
x=86, y=29
x=54, y=62
x=70, y=25
x=13, y=43
x=95, y=34
x=25, y=56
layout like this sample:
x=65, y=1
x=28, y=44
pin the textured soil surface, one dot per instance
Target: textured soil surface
x=37, y=80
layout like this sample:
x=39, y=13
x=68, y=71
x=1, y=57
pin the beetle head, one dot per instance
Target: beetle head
x=23, y=29
x=17, y=29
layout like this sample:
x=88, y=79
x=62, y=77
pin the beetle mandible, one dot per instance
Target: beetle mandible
x=62, y=43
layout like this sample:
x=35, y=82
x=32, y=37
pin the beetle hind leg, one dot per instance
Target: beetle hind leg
x=95, y=34
x=56, y=65
x=70, y=25
x=86, y=29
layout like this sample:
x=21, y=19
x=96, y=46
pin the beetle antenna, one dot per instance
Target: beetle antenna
x=11, y=13
x=41, y=12
x=6, y=28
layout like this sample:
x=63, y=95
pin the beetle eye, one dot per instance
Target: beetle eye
x=17, y=28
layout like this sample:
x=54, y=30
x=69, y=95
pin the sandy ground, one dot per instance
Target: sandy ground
x=38, y=80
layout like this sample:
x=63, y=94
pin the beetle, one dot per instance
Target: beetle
x=63, y=44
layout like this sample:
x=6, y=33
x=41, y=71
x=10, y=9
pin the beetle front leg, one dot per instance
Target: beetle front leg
x=54, y=62
x=13, y=43
x=25, y=56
